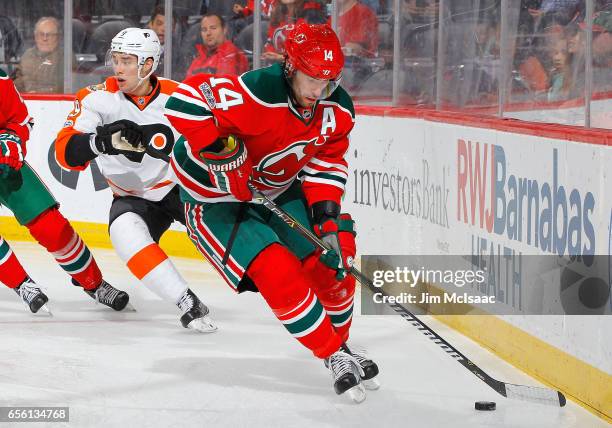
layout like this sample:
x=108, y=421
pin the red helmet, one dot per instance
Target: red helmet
x=315, y=50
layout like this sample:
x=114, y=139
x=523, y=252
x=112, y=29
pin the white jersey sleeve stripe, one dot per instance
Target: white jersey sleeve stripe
x=191, y=90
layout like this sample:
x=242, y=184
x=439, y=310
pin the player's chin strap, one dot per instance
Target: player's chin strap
x=140, y=79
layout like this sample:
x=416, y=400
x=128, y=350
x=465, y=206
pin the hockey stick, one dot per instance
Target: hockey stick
x=518, y=392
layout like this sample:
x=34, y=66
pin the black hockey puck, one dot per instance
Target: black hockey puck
x=484, y=405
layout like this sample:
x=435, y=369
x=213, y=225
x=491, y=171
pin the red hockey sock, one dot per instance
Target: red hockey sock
x=52, y=231
x=282, y=282
x=12, y=273
x=336, y=296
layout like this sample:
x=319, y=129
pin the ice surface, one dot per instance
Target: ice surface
x=143, y=369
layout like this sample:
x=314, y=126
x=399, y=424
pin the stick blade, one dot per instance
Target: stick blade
x=535, y=394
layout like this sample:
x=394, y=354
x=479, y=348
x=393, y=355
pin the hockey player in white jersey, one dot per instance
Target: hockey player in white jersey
x=121, y=124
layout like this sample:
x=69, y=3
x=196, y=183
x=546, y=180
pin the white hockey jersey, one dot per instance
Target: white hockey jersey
x=97, y=105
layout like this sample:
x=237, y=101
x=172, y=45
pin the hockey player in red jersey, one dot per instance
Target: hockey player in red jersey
x=121, y=124
x=284, y=128
x=35, y=208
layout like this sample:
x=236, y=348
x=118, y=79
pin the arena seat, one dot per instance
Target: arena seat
x=244, y=39
x=102, y=36
x=79, y=34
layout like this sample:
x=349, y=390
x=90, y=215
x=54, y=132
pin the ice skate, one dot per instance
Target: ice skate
x=33, y=297
x=195, y=313
x=111, y=297
x=369, y=367
x=347, y=374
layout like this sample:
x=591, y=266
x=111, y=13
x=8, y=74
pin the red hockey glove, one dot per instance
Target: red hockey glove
x=230, y=169
x=339, y=235
x=11, y=153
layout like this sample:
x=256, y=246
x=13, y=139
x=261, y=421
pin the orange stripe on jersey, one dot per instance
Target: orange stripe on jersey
x=110, y=182
x=131, y=192
x=162, y=184
x=145, y=260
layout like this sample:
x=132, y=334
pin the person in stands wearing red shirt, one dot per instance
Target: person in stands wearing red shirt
x=357, y=29
x=217, y=54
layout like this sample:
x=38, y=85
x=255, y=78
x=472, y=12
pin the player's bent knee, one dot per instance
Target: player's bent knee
x=51, y=229
x=274, y=272
x=129, y=234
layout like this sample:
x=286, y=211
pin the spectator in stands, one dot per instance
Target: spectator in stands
x=564, y=10
x=561, y=74
x=601, y=48
x=247, y=10
x=357, y=29
x=10, y=40
x=217, y=54
x=285, y=13
x=487, y=36
x=420, y=11
x=157, y=23
x=575, y=39
x=576, y=51
x=602, y=38
x=243, y=16
x=41, y=66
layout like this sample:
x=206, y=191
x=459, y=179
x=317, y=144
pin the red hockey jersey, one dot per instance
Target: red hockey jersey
x=283, y=141
x=14, y=116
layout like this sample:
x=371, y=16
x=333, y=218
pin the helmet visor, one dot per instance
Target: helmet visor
x=120, y=60
x=331, y=86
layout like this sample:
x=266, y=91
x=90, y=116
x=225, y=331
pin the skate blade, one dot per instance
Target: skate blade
x=202, y=325
x=356, y=393
x=128, y=308
x=371, y=384
x=44, y=311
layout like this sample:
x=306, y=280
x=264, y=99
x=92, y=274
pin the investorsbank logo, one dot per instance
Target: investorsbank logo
x=544, y=214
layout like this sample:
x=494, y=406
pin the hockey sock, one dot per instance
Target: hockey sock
x=12, y=273
x=282, y=282
x=336, y=296
x=145, y=259
x=52, y=231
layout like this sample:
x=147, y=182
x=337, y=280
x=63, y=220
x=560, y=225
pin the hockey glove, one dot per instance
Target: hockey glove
x=11, y=153
x=230, y=169
x=338, y=232
x=120, y=137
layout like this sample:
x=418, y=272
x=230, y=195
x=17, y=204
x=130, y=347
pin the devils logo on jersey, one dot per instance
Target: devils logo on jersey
x=280, y=168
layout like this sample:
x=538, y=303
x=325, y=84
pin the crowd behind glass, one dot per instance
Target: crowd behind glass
x=444, y=54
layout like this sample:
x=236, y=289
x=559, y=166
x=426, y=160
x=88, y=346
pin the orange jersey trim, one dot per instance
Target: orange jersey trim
x=162, y=86
x=66, y=133
x=131, y=192
x=162, y=184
